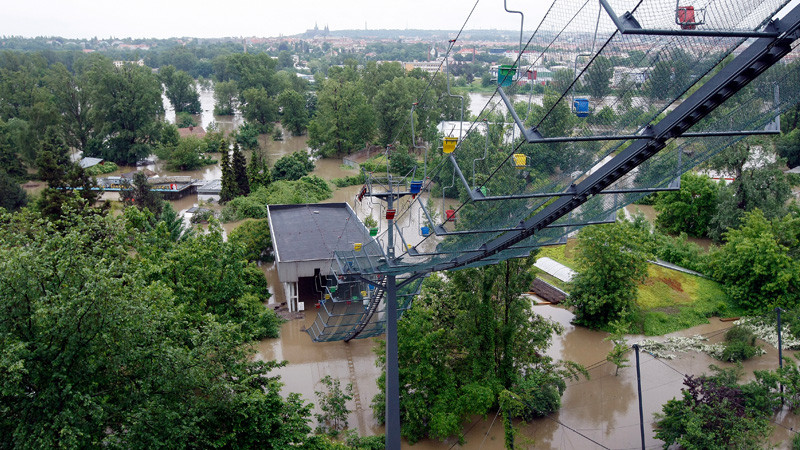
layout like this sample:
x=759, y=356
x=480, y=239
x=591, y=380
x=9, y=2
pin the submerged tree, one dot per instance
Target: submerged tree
x=610, y=266
x=467, y=340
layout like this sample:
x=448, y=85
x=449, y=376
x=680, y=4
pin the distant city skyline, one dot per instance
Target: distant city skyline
x=205, y=19
x=244, y=18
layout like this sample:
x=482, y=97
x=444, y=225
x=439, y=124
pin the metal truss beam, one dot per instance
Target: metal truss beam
x=758, y=57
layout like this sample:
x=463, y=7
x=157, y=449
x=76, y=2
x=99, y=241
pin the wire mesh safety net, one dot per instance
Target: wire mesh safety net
x=580, y=80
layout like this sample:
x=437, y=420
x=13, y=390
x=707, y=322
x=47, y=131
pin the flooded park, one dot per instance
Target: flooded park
x=599, y=412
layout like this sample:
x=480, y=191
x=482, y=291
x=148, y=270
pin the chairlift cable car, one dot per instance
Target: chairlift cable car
x=449, y=145
x=580, y=106
x=689, y=17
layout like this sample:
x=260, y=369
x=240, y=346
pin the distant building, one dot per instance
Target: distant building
x=426, y=66
x=119, y=64
x=636, y=75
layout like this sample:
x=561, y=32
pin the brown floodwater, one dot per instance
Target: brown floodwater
x=601, y=412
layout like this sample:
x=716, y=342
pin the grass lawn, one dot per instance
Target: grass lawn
x=668, y=300
x=672, y=301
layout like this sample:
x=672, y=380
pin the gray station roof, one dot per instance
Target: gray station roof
x=314, y=231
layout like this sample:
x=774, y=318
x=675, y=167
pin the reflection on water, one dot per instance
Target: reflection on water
x=206, y=116
x=603, y=408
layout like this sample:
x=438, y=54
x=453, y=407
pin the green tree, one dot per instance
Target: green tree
x=391, y=104
x=344, y=121
x=562, y=78
x=259, y=108
x=226, y=98
x=446, y=378
x=285, y=60
x=758, y=264
x=610, y=266
x=127, y=105
x=690, y=209
x=789, y=147
x=72, y=98
x=180, y=90
x=759, y=183
x=188, y=154
x=255, y=237
x=230, y=189
x=292, y=167
x=295, y=114
x=239, y=169
x=716, y=412
x=141, y=196
x=247, y=136
x=258, y=171
x=66, y=181
x=617, y=354
x=669, y=77
x=111, y=354
x=333, y=403
x=12, y=196
x=598, y=77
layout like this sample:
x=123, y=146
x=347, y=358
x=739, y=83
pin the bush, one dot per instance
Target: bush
x=244, y=207
x=202, y=216
x=292, y=167
x=247, y=136
x=740, y=344
x=352, y=180
x=100, y=169
x=188, y=154
x=184, y=120
x=254, y=236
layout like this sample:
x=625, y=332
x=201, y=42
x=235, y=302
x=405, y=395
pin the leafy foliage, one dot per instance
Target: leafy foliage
x=292, y=167
x=715, y=412
x=610, y=267
x=142, y=196
x=446, y=378
x=310, y=189
x=294, y=115
x=344, y=121
x=332, y=401
x=254, y=236
x=179, y=89
x=127, y=104
x=225, y=97
x=690, y=209
x=239, y=169
x=259, y=108
x=758, y=263
x=103, y=325
x=188, y=154
x=12, y=196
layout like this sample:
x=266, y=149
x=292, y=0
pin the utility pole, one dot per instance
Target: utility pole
x=392, y=368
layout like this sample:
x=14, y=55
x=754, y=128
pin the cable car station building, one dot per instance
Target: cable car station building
x=304, y=238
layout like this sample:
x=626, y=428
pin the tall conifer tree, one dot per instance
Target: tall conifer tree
x=239, y=167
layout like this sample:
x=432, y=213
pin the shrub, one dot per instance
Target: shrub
x=740, y=345
x=255, y=237
x=100, y=169
x=352, y=180
x=184, y=119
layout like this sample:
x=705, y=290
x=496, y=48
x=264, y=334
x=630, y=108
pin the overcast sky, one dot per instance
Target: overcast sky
x=263, y=18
